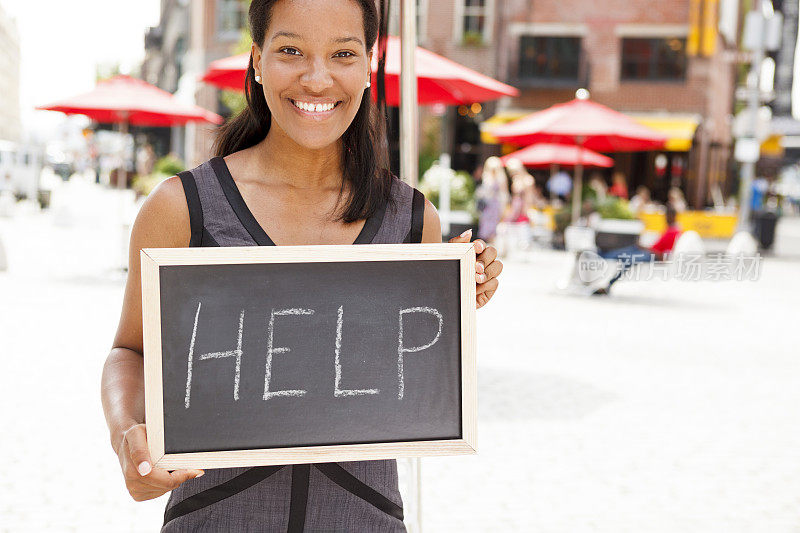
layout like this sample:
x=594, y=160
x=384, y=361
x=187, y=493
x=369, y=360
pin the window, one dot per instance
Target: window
x=654, y=59
x=475, y=19
x=231, y=18
x=548, y=58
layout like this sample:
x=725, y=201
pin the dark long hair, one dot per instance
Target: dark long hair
x=364, y=147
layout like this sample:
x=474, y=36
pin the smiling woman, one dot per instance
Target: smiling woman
x=307, y=83
x=304, y=163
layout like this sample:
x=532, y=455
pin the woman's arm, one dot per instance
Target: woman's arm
x=163, y=222
x=487, y=266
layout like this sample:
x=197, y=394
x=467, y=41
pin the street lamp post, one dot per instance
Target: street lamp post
x=759, y=36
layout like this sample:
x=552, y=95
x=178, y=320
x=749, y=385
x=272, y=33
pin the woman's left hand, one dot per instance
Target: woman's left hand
x=487, y=268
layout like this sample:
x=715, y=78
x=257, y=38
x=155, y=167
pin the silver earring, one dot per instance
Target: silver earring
x=369, y=82
x=258, y=79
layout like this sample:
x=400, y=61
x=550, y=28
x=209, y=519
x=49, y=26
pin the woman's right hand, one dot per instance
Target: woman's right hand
x=142, y=480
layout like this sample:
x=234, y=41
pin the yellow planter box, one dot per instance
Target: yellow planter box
x=708, y=225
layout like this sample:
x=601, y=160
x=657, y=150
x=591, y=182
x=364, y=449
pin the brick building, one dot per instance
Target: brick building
x=190, y=35
x=662, y=62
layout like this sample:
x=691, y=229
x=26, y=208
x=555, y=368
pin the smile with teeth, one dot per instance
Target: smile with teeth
x=314, y=108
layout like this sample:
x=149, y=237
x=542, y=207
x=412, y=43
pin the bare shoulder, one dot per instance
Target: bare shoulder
x=431, y=226
x=163, y=221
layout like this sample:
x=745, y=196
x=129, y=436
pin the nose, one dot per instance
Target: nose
x=317, y=77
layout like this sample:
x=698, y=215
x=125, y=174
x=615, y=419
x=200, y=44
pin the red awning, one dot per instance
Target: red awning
x=543, y=155
x=123, y=99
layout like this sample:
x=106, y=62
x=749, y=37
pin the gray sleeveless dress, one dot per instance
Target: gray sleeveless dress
x=330, y=497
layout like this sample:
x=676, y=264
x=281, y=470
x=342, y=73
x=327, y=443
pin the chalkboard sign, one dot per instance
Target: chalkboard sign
x=301, y=354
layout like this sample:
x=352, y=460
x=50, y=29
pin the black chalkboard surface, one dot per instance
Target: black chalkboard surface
x=278, y=355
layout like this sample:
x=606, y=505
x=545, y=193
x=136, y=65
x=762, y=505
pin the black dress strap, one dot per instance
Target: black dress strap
x=195, y=208
x=417, y=217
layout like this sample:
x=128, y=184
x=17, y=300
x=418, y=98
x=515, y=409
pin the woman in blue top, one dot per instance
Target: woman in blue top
x=304, y=163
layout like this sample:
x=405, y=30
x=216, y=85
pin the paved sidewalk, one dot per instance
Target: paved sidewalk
x=668, y=406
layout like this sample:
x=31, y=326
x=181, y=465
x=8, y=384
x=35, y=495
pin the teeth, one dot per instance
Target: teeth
x=314, y=108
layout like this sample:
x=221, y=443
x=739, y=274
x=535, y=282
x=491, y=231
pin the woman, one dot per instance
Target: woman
x=492, y=196
x=302, y=164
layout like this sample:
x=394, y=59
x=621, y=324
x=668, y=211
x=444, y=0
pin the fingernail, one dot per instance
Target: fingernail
x=144, y=468
x=199, y=475
x=467, y=233
x=479, y=266
x=481, y=278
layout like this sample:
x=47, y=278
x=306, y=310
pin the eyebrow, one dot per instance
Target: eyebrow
x=339, y=40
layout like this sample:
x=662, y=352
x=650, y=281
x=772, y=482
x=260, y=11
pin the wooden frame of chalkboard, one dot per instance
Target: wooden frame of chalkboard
x=154, y=260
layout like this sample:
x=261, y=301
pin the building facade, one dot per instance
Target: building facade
x=10, y=114
x=190, y=35
x=664, y=63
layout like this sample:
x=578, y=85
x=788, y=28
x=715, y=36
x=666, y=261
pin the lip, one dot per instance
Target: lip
x=314, y=115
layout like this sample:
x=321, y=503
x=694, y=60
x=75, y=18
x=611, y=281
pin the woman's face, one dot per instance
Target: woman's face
x=314, y=67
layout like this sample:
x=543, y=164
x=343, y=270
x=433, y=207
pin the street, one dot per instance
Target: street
x=667, y=406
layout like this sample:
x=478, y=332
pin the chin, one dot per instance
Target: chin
x=314, y=142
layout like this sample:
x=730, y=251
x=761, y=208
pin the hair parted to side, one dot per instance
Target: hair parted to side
x=364, y=146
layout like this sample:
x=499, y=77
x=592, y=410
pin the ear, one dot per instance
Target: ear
x=255, y=51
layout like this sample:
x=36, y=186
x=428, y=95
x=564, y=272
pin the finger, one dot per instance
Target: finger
x=490, y=285
x=136, y=440
x=464, y=237
x=182, y=476
x=164, y=480
x=481, y=300
x=494, y=269
x=488, y=255
x=480, y=246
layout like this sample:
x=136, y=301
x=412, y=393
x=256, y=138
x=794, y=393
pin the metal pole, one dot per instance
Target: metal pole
x=408, y=93
x=577, y=183
x=409, y=160
x=748, y=170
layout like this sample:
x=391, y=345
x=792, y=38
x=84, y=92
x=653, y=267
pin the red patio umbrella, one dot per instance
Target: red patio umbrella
x=602, y=128
x=585, y=124
x=125, y=100
x=440, y=80
x=228, y=72
x=543, y=155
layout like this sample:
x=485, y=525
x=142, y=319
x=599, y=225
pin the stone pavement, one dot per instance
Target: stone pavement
x=667, y=407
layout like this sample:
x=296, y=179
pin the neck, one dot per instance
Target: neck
x=298, y=166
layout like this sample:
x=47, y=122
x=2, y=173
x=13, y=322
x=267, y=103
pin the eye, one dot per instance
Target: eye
x=290, y=51
x=344, y=53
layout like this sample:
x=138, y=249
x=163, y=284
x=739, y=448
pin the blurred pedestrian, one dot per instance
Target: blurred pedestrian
x=492, y=196
x=619, y=186
x=676, y=199
x=598, y=185
x=559, y=185
x=145, y=160
x=630, y=255
x=522, y=191
x=640, y=200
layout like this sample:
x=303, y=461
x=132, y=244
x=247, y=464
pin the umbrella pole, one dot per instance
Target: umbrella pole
x=577, y=184
x=408, y=93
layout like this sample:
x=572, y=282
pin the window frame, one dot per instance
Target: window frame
x=548, y=80
x=652, y=64
x=462, y=11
